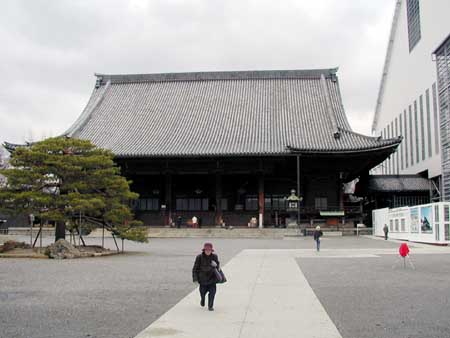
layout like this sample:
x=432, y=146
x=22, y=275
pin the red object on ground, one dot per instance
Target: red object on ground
x=403, y=250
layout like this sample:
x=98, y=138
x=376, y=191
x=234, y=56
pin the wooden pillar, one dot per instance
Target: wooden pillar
x=218, y=197
x=168, y=197
x=341, y=197
x=261, y=199
x=341, y=191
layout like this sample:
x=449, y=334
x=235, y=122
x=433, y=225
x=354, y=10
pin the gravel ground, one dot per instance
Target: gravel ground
x=118, y=296
x=368, y=298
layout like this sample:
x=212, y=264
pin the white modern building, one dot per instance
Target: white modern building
x=442, y=57
x=408, y=98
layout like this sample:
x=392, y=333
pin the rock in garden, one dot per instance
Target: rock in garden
x=62, y=249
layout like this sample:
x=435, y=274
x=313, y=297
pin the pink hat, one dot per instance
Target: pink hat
x=208, y=245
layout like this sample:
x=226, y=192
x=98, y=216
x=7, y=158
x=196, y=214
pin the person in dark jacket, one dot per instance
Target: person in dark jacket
x=203, y=273
x=317, y=234
x=386, y=231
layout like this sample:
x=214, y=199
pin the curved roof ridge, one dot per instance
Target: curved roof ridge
x=398, y=175
x=330, y=111
x=339, y=109
x=10, y=147
x=396, y=139
x=85, y=115
x=225, y=75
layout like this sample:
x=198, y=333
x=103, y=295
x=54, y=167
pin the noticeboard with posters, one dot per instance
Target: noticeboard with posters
x=414, y=213
x=425, y=219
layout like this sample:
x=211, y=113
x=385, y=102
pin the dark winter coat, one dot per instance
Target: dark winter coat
x=317, y=234
x=202, y=271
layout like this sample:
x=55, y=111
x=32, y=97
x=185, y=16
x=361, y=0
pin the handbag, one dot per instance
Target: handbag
x=224, y=279
x=220, y=276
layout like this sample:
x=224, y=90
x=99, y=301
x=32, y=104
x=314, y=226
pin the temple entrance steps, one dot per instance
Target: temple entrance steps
x=245, y=232
x=213, y=232
x=235, y=232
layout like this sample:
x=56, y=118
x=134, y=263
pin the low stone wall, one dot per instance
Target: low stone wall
x=26, y=231
x=214, y=232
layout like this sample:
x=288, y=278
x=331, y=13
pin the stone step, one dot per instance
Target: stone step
x=165, y=232
x=222, y=233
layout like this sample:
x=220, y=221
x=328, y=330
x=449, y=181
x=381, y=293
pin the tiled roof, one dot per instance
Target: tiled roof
x=220, y=113
x=398, y=183
x=12, y=146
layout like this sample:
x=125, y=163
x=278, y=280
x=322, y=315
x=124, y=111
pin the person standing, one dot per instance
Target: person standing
x=203, y=273
x=386, y=231
x=317, y=234
x=195, y=222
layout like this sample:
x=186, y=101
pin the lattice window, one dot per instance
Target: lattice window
x=416, y=132
x=402, y=145
x=443, y=74
x=192, y=204
x=147, y=204
x=251, y=203
x=413, y=14
x=321, y=203
x=422, y=127
x=411, y=140
x=406, y=138
x=427, y=100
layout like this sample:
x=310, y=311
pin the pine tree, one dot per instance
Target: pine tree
x=3, y=164
x=62, y=180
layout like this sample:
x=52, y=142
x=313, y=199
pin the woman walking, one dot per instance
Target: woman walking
x=203, y=272
x=317, y=234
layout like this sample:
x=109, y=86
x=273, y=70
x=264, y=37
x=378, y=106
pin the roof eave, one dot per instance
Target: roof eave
x=290, y=152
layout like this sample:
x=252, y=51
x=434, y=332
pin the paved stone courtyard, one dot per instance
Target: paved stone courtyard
x=367, y=298
x=119, y=296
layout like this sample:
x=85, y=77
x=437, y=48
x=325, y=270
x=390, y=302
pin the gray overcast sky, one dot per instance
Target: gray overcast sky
x=51, y=49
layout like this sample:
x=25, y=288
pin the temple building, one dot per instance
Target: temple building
x=232, y=145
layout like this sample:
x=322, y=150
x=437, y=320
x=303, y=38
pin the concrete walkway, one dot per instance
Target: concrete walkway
x=267, y=296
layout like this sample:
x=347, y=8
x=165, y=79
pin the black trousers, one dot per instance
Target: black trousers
x=211, y=289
